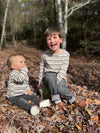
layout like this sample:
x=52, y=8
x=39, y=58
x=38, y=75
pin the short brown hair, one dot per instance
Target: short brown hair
x=52, y=30
x=9, y=59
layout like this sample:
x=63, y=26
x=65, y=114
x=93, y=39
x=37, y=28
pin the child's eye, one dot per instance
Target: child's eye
x=21, y=61
x=48, y=39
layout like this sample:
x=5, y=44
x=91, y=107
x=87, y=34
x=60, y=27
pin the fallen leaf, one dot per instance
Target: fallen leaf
x=88, y=101
x=91, y=94
x=89, y=112
x=65, y=109
x=97, y=102
x=62, y=117
x=54, y=130
x=91, y=122
x=91, y=129
x=54, y=116
x=78, y=127
x=96, y=118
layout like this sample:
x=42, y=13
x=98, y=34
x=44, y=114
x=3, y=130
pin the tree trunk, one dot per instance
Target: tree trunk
x=55, y=11
x=14, y=41
x=65, y=24
x=4, y=24
x=59, y=9
x=65, y=17
x=60, y=22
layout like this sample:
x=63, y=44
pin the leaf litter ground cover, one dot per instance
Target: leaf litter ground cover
x=83, y=81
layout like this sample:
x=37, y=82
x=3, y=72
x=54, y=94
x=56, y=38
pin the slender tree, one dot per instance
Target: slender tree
x=4, y=24
x=15, y=20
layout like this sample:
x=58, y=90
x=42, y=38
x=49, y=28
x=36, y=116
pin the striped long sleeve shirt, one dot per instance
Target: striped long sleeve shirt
x=57, y=63
x=18, y=83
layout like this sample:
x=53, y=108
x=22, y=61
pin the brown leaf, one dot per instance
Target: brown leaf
x=54, y=116
x=88, y=101
x=62, y=117
x=91, y=122
x=89, y=112
x=97, y=102
x=78, y=127
x=90, y=130
x=54, y=130
x=47, y=111
x=65, y=108
x=95, y=118
x=91, y=94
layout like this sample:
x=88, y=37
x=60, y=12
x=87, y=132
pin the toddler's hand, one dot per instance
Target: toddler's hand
x=25, y=65
x=30, y=92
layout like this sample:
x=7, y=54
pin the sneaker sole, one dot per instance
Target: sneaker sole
x=45, y=103
x=34, y=110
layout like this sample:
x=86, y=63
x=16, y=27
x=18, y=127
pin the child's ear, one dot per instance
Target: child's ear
x=61, y=40
x=12, y=66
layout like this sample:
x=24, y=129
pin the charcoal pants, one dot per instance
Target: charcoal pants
x=21, y=101
x=58, y=89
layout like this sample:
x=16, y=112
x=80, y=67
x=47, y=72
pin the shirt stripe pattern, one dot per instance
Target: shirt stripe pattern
x=18, y=83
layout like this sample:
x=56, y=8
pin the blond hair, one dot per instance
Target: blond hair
x=9, y=60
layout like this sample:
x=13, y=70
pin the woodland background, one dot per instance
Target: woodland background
x=23, y=34
x=28, y=19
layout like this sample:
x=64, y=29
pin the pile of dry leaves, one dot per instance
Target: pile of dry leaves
x=70, y=119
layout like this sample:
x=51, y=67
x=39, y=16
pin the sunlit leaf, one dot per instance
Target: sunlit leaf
x=97, y=102
x=96, y=118
x=88, y=101
x=91, y=94
x=78, y=127
x=89, y=112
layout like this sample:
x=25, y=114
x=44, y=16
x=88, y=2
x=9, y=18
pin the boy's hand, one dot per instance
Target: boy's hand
x=30, y=92
x=40, y=85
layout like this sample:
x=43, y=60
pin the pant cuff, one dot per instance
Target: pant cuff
x=56, y=97
x=72, y=100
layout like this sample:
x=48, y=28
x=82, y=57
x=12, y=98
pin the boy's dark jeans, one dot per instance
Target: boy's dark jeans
x=61, y=88
x=21, y=101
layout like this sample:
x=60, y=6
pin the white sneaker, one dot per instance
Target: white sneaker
x=44, y=103
x=34, y=110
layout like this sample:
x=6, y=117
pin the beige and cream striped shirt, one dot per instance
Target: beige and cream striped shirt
x=57, y=63
x=18, y=83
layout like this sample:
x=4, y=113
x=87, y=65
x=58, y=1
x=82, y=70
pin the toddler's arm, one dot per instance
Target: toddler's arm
x=19, y=77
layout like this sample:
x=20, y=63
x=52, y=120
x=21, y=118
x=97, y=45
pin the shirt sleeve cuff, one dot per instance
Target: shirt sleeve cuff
x=24, y=69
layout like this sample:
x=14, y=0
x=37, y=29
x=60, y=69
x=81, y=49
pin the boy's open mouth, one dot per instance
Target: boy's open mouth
x=53, y=44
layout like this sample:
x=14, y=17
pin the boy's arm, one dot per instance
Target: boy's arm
x=19, y=77
x=62, y=72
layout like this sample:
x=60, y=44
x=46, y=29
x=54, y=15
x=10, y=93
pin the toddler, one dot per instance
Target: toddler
x=18, y=90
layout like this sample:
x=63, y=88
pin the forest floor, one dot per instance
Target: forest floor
x=83, y=81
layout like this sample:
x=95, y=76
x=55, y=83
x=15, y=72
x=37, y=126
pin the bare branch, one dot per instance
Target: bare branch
x=80, y=5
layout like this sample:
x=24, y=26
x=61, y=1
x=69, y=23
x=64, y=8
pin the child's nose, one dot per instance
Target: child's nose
x=52, y=39
x=24, y=64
